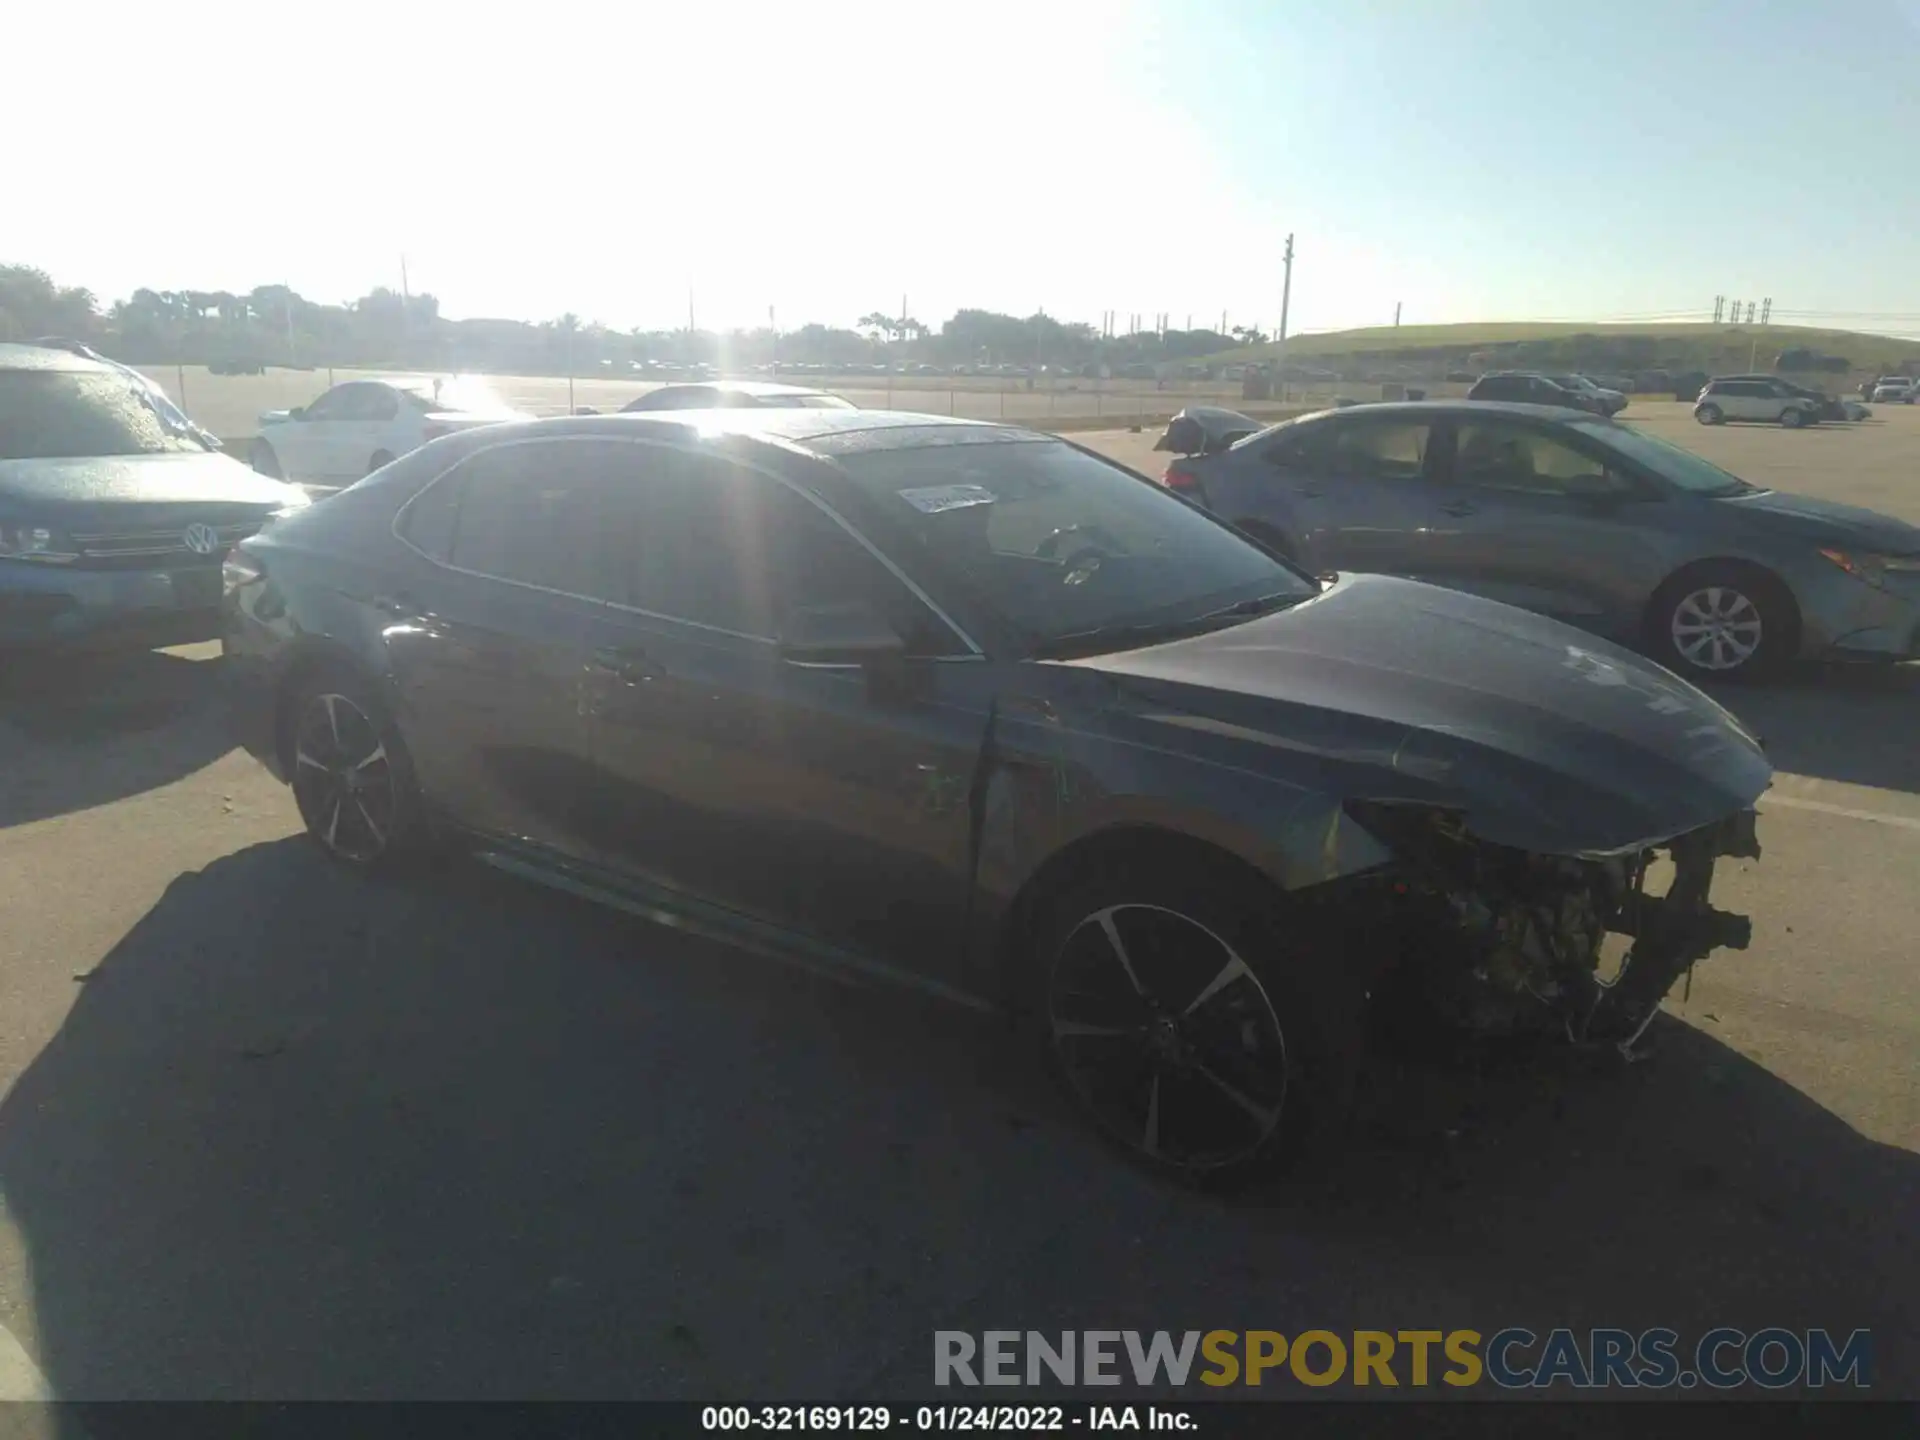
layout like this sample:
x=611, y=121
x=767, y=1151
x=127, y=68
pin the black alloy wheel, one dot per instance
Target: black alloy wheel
x=1178, y=1022
x=347, y=782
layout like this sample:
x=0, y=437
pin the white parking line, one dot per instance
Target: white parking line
x=1847, y=812
x=20, y=1378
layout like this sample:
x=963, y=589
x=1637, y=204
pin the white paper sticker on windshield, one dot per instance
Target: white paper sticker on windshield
x=932, y=499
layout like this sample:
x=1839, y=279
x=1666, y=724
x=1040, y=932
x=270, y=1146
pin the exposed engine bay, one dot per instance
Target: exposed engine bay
x=1497, y=941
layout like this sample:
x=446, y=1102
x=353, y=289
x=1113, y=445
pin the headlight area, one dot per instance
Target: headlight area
x=239, y=568
x=25, y=540
x=1493, y=941
x=247, y=592
x=1872, y=568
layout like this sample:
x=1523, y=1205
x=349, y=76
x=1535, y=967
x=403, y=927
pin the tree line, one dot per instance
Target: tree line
x=275, y=325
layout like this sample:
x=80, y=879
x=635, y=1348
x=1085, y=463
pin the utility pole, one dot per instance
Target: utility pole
x=1719, y=304
x=1750, y=312
x=774, y=326
x=1766, y=310
x=1286, y=300
x=1396, y=314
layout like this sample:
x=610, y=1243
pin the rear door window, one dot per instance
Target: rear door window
x=537, y=513
x=366, y=403
x=1374, y=450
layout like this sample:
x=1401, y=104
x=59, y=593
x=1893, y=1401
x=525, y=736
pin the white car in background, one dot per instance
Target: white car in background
x=1893, y=390
x=356, y=427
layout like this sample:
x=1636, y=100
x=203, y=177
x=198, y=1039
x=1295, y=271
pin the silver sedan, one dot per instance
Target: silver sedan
x=1578, y=517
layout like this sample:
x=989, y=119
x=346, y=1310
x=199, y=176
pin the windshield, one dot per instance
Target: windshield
x=1060, y=542
x=1680, y=467
x=63, y=414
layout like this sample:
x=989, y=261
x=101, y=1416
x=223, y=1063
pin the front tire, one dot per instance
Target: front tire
x=352, y=776
x=264, y=461
x=1180, y=1021
x=1793, y=419
x=1708, y=414
x=1723, y=623
x=380, y=457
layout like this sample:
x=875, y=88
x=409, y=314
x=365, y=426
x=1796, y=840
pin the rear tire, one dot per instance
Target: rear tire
x=351, y=774
x=1184, y=1021
x=1708, y=414
x=264, y=461
x=1723, y=622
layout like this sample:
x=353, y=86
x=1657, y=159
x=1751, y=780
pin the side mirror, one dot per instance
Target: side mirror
x=299, y=412
x=850, y=633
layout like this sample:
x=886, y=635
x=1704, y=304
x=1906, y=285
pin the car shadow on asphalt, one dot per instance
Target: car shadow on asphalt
x=1851, y=723
x=309, y=1136
x=86, y=730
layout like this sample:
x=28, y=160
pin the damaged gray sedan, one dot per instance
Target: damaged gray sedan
x=971, y=708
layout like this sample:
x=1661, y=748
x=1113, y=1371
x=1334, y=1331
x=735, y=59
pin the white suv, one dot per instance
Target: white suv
x=1894, y=390
x=1754, y=399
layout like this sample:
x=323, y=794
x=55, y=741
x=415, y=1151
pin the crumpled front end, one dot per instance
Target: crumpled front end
x=1499, y=941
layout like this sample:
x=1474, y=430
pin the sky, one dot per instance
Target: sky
x=1463, y=159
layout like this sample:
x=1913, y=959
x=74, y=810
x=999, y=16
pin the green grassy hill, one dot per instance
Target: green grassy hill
x=1717, y=349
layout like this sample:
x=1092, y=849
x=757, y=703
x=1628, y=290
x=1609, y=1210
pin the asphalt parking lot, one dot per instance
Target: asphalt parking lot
x=267, y=1130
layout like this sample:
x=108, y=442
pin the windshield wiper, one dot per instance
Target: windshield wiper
x=1101, y=639
x=1258, y=605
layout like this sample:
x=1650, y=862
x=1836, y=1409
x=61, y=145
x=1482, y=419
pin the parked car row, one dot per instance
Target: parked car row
x=1572, y=392
x=1188, y=777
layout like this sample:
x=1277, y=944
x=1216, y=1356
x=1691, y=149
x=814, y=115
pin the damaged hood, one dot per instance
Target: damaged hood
x=1544, y=737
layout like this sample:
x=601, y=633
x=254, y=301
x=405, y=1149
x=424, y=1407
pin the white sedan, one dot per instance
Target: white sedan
x=355, y=428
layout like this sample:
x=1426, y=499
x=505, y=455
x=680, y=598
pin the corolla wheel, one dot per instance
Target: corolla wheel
x=1708, y=415
x=264, y=461
x=1167, y=1037
x=345, y=780
x=1792, y=419
x=1717, y=628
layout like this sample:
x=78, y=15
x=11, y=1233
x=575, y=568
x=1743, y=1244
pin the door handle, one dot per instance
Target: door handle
x=400, y=604
x=1307, y=491
x=623, y=663
x=1460, y=507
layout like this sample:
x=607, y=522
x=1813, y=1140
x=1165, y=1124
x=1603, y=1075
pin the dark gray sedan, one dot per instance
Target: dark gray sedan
x=1582, y=518
x=973, y=708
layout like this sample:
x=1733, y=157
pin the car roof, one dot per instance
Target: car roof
x=43, y=357
x=817, y=432
x=1517, y=408
x=742, y=387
